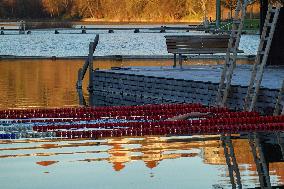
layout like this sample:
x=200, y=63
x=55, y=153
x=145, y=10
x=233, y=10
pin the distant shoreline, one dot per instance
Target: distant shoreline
x=97, y=22
x=122, y=57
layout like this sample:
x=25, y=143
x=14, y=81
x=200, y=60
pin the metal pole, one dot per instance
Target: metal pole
x=218, y=13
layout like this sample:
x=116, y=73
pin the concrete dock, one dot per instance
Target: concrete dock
x=142, y=85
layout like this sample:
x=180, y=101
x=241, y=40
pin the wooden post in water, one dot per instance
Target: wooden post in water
x=91, y=59
x=218, y=13
x=80, y=76
x=22, y=27
x=88, y=63
x=82, y=100
x=2, y=31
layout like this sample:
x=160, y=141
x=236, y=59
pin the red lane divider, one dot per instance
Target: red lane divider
x=142, y=120
x=110, y=111
x=157, y=116
x=129, y=114
x=183, y=123
x=104, y=114
x=104, y=109
x=171, y=131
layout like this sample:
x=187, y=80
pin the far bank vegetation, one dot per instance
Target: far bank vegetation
x=116, y=10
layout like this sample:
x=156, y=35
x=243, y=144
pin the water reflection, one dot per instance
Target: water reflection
x=251, y=160
x=46, y=163
x=45, y=83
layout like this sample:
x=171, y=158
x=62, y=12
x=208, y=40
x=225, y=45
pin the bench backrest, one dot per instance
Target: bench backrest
x=201, y=44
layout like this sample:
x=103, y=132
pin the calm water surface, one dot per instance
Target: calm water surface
x=47, y=83
x=148, y=162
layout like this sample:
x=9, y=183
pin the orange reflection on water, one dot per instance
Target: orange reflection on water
x=38, y=83
x=45, y=83
x=46, y=163
x=151, y=150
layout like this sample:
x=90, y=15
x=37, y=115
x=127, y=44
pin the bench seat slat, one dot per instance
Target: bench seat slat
x=190, y=46
x=197, y=51
x=197, y=36
x=197, y=44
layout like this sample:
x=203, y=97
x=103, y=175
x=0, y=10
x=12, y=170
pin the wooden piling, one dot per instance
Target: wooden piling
x=22, y=27
x=163, y=29
x=91, y=59
x=88, y=63
x=79, y=82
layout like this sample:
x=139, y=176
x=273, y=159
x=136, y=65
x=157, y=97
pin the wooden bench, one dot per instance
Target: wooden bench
x=196, y=44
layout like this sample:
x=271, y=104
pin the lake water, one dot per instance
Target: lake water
x=134, y=163
x=72, y=43
x=47, y=83
x=147, y=162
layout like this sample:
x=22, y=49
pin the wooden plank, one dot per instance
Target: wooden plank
x=197, y=36
x=197, y=51
x=198, y=44
x=200, y=51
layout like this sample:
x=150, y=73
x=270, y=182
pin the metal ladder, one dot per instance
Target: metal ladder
x=261, y=57
x=280, y=143
x=261, y=166
x=231, y=55
x=231, y=161
x=277, y=112
x=278, y=102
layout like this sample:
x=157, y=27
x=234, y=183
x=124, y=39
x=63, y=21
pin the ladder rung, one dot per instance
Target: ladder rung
x=273, y=10
x=269, y=25
x=267, y=38
x=237, y=21
x=235, y=31
x=238, y=9
x=261, y=52
x=234, y=35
